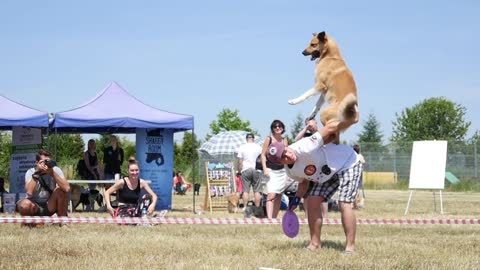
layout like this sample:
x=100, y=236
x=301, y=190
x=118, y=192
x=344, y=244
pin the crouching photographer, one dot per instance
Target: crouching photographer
x=46, y=188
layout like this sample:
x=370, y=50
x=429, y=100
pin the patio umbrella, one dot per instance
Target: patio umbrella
x=226, y=142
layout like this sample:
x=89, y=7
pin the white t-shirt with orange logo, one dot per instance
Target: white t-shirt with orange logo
x=318, y=162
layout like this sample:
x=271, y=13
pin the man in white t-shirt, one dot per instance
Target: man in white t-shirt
x=247, y=155
x=327, y=167
x=46, y=188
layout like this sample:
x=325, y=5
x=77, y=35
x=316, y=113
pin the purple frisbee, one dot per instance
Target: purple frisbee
x=290, y=224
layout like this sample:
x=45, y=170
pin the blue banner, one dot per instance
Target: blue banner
x=155, y=154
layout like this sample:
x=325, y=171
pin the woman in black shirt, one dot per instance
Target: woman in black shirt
x=128, y=190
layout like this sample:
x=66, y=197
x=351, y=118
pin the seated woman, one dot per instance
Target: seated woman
x=179, y=184
x=128, y=193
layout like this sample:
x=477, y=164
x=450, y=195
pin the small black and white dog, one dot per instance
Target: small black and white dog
x=251, y=210
x=80, y=195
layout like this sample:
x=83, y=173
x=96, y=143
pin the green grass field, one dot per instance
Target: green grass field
x=255, y=246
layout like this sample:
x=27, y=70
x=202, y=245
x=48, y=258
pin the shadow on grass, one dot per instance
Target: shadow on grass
x=333, y=245
x=328, y=244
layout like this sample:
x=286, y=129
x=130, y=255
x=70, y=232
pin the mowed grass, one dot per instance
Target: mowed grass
x=255, y=246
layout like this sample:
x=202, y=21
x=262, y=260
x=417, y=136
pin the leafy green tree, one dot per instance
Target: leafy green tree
x=5, y=153
x=432, y=119
x=67, y=148
x=186, y=153
x=129, y=147
x=370, y=138
x=297, y=126
x=229, y=120
x=189, y=149
x=475, y=138
x=177, y=156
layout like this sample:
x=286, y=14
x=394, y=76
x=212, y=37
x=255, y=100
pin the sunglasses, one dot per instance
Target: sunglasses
x=278, y=126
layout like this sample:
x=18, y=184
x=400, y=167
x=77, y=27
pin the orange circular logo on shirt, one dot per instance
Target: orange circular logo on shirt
x=310, y=170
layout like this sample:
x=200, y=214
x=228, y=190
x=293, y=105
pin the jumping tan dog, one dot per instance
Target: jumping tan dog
x=333, y=81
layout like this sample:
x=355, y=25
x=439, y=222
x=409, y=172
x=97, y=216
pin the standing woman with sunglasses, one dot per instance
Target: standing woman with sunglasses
x=277, y=178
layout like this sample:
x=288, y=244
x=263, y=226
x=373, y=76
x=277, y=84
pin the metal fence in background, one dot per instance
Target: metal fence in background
x=462, y=158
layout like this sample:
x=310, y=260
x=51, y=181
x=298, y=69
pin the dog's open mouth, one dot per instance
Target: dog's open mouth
x=315, y=55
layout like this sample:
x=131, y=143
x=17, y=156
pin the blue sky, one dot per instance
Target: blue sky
x=198, y=57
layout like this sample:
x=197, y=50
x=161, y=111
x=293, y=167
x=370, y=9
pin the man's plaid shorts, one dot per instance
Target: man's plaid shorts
x=346, y=182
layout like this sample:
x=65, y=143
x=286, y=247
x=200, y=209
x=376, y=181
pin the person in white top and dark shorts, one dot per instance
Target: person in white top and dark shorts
x=247, y=155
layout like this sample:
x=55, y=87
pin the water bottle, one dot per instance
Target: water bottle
x=145, y=215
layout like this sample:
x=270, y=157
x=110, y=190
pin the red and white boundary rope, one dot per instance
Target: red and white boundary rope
x=225, y=221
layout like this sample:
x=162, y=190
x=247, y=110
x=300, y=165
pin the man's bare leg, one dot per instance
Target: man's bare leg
x=324, y=210
x=245, y=198
x=349, y=224
x=315, y=221
x=257, y=198
x=58, y=203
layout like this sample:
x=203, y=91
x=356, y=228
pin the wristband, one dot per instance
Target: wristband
x=294, y=202
x=317, y=137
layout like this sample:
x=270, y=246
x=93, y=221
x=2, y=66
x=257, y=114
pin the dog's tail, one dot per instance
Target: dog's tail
x=349, y=108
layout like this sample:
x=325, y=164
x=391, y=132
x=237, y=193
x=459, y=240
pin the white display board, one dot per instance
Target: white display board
x=427, y=169
x=25, y=145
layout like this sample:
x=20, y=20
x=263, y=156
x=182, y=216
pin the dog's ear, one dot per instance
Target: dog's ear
x=321, y=36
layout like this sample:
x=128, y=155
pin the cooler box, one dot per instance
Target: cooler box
x=9, y=198
x=9, y=207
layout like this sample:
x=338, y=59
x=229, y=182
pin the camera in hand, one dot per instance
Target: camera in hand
x=50, y=163
x=36, y=175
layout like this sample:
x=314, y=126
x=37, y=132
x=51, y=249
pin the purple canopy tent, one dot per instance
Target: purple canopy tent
x=114, y=110
x=14, y=114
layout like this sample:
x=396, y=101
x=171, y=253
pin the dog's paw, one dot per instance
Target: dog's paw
x=293, y=102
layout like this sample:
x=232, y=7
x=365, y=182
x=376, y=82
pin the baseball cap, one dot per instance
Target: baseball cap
x=275, y=152
x=250, y=135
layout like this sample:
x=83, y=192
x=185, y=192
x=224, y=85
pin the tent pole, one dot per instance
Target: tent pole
x=193, y=168
x=55, y=149
x=48, y=133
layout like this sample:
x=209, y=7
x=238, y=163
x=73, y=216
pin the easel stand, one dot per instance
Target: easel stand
x=434, y=202
x=427, y=169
